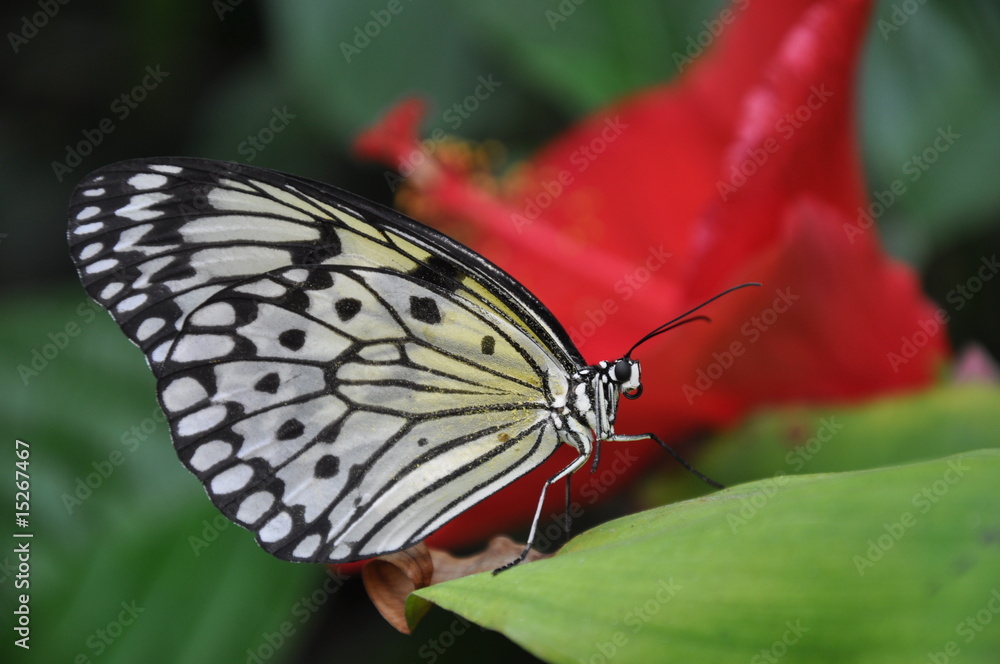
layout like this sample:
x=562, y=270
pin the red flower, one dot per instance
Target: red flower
x=745, y=169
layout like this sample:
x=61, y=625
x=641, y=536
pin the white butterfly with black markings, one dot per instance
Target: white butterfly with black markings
x=342, y=379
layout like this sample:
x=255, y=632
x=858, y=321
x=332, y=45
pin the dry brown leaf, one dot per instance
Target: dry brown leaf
x=391, y=578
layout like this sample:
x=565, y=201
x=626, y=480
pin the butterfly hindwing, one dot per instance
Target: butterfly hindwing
x=344, y=435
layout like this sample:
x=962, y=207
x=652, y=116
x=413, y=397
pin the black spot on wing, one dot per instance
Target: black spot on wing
x=292, y=339
x=439, y=272
x=268, y=383
x=327, y=466
x=425, y=310
x=290, y=430
x=488, y=344
x=347, y=308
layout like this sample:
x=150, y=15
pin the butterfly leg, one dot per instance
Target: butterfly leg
x=569, y=502
x=652, y=436
x=565, y=472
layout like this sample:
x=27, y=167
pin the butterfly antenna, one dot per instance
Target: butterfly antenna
x=683, y=318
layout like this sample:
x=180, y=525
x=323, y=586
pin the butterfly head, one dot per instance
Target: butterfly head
x=625, y=373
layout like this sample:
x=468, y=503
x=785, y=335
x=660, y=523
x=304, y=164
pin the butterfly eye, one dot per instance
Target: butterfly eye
x=623, y=370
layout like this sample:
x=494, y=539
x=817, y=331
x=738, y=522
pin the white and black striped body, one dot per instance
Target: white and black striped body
x=592, y=403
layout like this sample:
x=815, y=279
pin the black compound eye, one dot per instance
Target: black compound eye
x=623, y=370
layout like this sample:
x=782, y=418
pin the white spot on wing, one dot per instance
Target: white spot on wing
x=148, y=328
x=276, y=528
x=307, y=547
x=201, y=420
x=182, y=393
x=86, y=213
x=164, y=168
x=111, y=290
x=254, y=507
x=214, y=315
x=130, y=303
x=231, y=480
x=90, y=250
x=138, y=207
x=160, y=352
x=93, y=192
x=199, y=347
x=147, y=181
x=102, y=265
x=210, y=453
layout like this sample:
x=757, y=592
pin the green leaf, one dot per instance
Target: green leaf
x=886, y=565
x=820, y=439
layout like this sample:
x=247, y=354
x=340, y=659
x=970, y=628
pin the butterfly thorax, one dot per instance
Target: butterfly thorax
x=592, y=402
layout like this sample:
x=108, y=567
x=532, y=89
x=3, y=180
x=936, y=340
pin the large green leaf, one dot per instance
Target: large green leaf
x=889, y=565
x=918, y=426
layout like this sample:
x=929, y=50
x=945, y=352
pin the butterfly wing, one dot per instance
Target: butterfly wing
x=154, y=238
x=342, y=379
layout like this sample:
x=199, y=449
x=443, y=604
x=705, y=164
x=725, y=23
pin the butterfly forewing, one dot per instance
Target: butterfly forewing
x=342, y=379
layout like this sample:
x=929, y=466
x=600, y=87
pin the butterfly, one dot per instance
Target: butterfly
x=342, y=379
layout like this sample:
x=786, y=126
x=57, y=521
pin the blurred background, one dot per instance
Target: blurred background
x=129, y=561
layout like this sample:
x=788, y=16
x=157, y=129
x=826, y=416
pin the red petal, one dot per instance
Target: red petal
x=637, y=214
